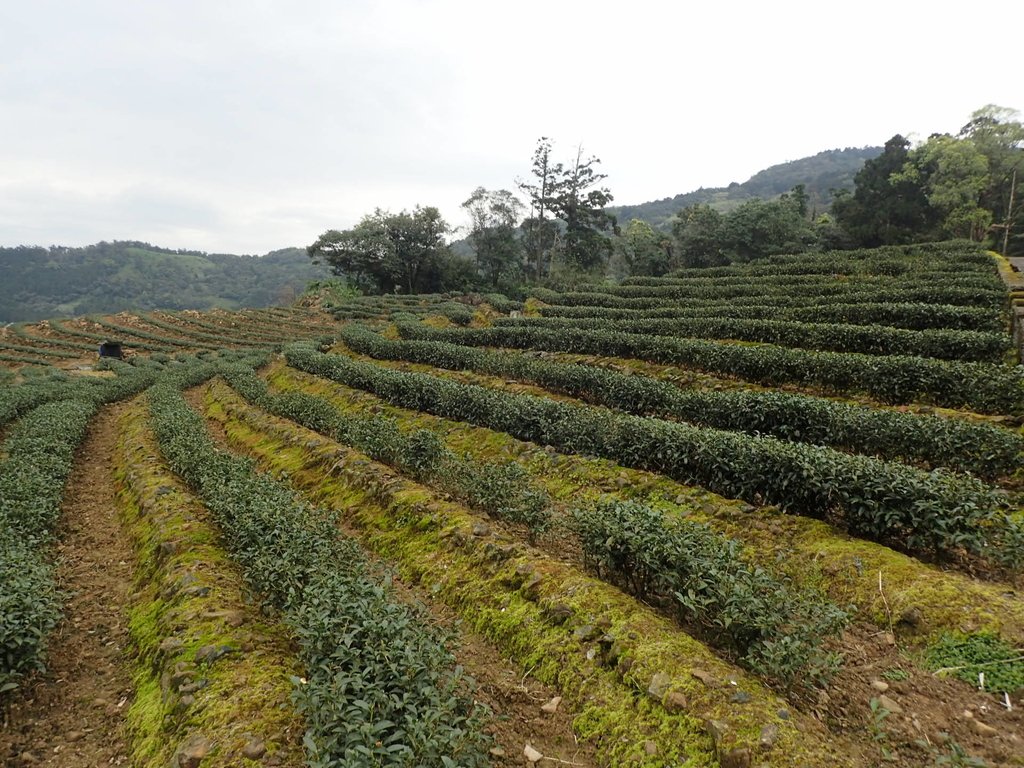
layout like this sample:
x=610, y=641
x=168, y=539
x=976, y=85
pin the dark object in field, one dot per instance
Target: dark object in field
x=111, y=349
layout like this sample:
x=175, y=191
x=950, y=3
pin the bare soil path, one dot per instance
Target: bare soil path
x=72, y=716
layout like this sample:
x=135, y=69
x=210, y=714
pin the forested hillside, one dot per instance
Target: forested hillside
x=110, y=277
x=820, y=173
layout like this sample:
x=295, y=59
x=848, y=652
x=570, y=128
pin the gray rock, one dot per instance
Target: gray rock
x=738, y=757
x=769, y=735
x=659, y=685
x=705, y=677
x=716, y=730
x=982, y=729
x=191, y=753
x=676, y=701
x=254, y=749
x=887, y=703
x=210, y=653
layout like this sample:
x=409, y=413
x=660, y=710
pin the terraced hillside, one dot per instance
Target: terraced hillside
x=758, y=515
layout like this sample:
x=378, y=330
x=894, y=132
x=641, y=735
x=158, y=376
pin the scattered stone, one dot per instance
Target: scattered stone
x=783, y=714
x=740, y=697
x=705, y=677
x=168, y=548
x=552, y=706
x=496, y=752
x=659, y=685
x=650, y=748
x=983, y=729
x=880, y=685
x=480, y=529
x=887, y=703
x=191, y=753
x=192, y=687
x=28, y=758
x=738, y=757
x=769, y=735
x=254, y=749
x=676, y=702
x=912, y=617
x=890, y=638
x=231, y=617
x=171, y=644
x=584, y=633
x=717, y=730
x=530, y=586
x=181, y=675
x=532, y=754
x=968, y=714
x=210, y=653
x=74, y=736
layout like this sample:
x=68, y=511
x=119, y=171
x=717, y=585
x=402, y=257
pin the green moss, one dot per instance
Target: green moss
x=190, y=596
x=514, y=596
x=145, y=719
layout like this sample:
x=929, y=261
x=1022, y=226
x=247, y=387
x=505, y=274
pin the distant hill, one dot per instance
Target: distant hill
x=820, y=173
x=37, y=283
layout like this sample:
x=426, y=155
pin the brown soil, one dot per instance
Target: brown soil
x=513, y=696
x=936, y=713
x=72, y=716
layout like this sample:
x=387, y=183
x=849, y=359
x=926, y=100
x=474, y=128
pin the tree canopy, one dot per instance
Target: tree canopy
x=389, y=252
x=948, y=186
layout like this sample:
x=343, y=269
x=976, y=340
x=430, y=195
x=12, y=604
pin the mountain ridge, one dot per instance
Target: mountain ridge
x=820, y=174
x=59, y=281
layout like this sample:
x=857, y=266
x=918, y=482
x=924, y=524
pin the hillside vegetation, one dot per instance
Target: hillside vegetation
x=763, y=514
x=111, y=277
x=820, y=174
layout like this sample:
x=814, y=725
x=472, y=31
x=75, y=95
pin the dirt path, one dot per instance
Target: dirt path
x=72, y=716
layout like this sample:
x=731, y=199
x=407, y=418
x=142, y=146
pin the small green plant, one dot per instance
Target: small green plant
x=895, y=674
x=965, y=656
x=879, y=735
x=957, y=757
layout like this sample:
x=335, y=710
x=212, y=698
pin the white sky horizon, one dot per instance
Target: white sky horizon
x=247, y=127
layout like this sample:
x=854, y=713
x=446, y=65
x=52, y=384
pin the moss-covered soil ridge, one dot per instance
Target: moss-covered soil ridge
x=213, y=677
x=633, y=672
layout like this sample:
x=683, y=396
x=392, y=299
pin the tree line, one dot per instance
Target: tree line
x=962, y=186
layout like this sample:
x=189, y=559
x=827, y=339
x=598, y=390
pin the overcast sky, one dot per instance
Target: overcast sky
x=244, y=127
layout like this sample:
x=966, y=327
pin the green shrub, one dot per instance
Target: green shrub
x=981, y=449
x=774, y=629
x=937, y=512
x=381, y=688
